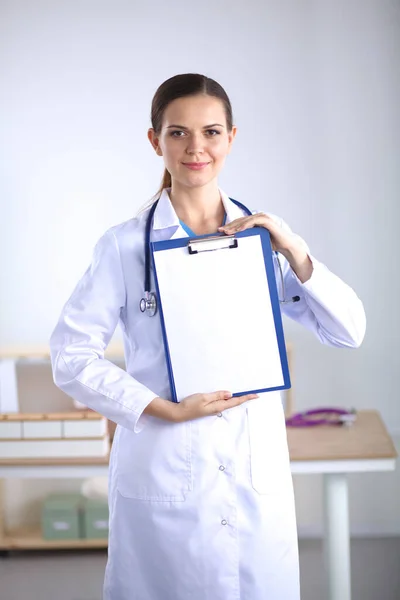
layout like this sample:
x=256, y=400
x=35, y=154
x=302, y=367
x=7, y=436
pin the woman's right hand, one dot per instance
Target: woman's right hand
x=204, y=405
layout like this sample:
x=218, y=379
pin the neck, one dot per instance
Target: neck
x=201, y=208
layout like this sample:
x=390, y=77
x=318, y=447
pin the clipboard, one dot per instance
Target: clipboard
x=220, y=314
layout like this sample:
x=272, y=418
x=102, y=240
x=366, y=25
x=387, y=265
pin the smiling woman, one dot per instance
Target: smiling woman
x=194, y=134
x=201, y=498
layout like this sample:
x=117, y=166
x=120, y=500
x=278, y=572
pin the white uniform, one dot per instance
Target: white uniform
x=201, y=510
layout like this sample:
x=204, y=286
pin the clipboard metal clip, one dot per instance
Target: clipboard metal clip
x=216, y=242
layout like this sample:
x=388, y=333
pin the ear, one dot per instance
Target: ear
x=154, y=141
x=231, y=137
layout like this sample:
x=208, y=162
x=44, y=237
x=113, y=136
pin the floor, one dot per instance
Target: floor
x=78, y=576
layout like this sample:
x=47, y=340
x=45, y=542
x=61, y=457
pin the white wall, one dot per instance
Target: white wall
x=315, y=88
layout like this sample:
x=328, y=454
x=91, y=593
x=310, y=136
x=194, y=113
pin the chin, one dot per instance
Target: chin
x=199, y=183
x=194, y=179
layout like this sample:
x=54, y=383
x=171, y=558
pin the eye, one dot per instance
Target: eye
x=210, y=132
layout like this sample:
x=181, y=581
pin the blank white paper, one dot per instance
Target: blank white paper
x=218, y=319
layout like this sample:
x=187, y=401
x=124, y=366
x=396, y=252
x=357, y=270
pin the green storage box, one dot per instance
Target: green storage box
x=95, y=519
x=62, y=517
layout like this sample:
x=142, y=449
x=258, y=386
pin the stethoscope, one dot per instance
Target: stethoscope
x=322, y=416
x=148, y=304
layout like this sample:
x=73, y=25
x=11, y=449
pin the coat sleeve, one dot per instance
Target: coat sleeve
x=328, y=307
x=82, y=334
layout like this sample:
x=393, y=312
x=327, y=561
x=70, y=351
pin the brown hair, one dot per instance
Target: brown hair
x=180, y=86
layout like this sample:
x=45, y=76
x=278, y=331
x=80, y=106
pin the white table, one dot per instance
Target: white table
x=336, y=515
x=334, y=452
x=331, y=452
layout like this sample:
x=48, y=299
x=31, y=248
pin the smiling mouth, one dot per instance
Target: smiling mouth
x=195, y=165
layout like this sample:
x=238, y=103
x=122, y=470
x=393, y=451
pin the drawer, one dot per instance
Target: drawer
x=41, y=429
x=85, y=428
x=10, y=430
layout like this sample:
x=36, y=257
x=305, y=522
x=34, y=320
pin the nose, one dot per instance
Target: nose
x=195, y=145
x=192, y=152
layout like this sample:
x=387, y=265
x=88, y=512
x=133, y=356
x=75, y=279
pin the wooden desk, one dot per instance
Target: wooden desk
x=366, y=439
x=330, y=451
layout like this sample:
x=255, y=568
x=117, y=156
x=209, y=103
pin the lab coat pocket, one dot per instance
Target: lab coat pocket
x=155, y=464
x=269, y=455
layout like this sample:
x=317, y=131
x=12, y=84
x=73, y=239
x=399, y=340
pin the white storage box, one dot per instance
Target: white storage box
x=53, y=435
x=54, y=448
x=85, y=428
x=10, y=430
x=41, y=429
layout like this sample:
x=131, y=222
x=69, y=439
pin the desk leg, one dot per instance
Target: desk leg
x=337, y=536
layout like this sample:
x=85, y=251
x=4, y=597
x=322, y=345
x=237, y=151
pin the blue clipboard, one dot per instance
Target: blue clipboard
x=179, y=251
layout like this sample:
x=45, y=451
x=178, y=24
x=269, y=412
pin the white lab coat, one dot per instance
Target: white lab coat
x=202, y=510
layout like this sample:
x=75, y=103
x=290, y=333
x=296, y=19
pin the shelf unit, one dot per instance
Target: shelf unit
x=25, y=538
x=30, y=539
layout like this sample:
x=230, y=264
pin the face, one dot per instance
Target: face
x=194, y=140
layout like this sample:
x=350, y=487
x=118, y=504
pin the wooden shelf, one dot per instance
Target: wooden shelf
x=62, y=462
x=114, y=350
x=31, y=539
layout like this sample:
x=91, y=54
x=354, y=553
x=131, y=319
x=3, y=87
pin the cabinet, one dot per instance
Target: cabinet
x=30, y=538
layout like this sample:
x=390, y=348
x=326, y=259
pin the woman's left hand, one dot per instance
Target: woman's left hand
x=286, y=243
x=281, y=241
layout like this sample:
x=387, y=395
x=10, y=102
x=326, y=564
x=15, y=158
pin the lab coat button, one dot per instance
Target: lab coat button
x=223, y=522
x=219, y=415
x=221, y=468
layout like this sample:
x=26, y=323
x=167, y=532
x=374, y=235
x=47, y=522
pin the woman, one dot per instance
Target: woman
x=200, y=492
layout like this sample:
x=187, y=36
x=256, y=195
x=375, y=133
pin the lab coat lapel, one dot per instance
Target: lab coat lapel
x=166, y=222
x=232, y=211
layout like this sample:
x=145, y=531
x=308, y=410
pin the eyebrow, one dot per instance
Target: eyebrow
x=205, y=127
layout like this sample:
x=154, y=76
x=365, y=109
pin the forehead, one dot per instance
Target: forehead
x=195, y=111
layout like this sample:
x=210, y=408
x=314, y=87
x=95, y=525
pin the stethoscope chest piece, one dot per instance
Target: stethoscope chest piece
x=149, y=304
